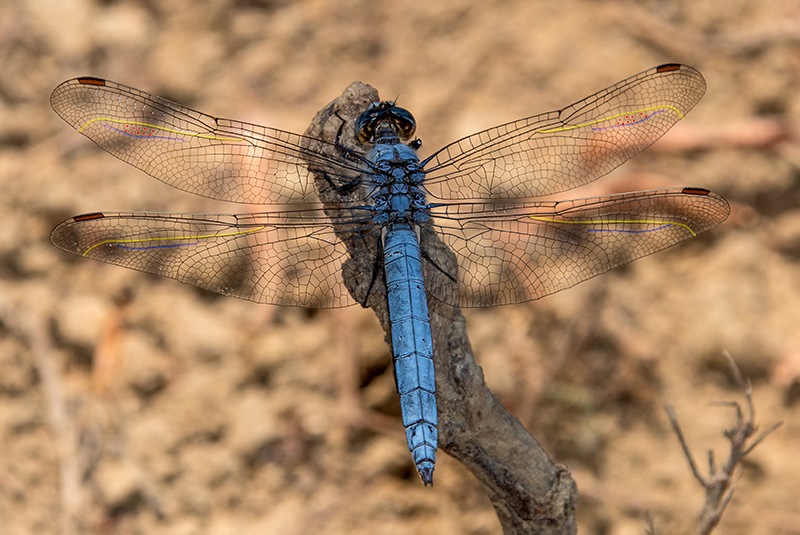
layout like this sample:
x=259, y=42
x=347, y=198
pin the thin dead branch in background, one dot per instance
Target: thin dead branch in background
x=720, y=484
x=752, y=133
x=651, y=525
x=31, y=328
x=680, y=41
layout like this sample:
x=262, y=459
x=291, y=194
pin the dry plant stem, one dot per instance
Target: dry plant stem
x=676, y=40
x=31, y=328
x=530, y=492
x=651, y=525
x=719, y=484
x=766, y=133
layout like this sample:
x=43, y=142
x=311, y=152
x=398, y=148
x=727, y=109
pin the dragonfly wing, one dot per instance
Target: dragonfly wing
x=285, y=258
x=209, y=156
x=517, y=252
x=564, y=149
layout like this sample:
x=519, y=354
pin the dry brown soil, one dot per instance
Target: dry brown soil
x=132, y=404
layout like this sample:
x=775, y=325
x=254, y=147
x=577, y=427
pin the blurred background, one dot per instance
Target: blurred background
x=133, y=404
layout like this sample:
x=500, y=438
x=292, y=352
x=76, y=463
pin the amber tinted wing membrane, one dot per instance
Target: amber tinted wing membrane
x=563, y=149
x=517, y=252
x=285, y=258
x=209, y=156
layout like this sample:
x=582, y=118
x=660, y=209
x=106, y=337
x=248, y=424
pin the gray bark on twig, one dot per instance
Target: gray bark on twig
x=530, y=492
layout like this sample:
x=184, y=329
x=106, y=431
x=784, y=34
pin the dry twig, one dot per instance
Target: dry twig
x=31, y=328
x=677, y=40
x=720, y=484
x=530, y=492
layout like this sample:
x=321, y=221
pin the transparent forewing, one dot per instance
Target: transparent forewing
x=517, y=252
x=560, y=150
x=217, y=158
x=285, y=258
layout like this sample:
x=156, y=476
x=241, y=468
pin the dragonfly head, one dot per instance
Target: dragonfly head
x=382, y=118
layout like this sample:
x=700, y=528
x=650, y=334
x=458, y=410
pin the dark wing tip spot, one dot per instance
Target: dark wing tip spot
x=669, y=67
x=695, y=191
x=89, y=217
x=91, y=80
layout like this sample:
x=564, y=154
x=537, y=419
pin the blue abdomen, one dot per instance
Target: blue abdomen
x=412, y=348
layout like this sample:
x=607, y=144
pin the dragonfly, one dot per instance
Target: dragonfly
x=475, y=199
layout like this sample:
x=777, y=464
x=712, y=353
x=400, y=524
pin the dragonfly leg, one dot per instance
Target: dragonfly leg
x=346, y=151
x=433, y=262
x=340, y=189
x=377, y=271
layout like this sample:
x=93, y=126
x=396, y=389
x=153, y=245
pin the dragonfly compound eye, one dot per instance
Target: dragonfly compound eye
x=367, y=121
x=402, y=118
x=397, y=119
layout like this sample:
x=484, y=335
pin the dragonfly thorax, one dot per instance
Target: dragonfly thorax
x=399, y=196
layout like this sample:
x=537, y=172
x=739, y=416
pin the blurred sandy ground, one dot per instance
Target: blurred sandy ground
x=130, y=404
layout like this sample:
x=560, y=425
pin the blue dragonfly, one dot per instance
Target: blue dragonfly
x=474, y=199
